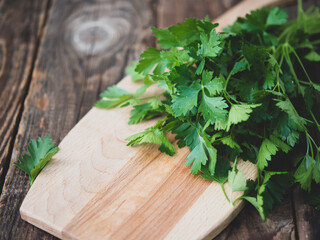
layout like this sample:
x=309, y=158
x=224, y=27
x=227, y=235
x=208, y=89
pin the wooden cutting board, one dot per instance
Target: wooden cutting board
x=96, y=187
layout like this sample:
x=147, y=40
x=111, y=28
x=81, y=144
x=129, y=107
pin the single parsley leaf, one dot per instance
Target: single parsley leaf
x=153, y=135
x=41, y=152
x=308, y=170
x=221, y=172
x=239, y=67
x=229, y=141
x=239, y=113
x=185, y=101
x=119, y=98
x=187, y=134
x=267, y=149
x=190, y=30
x=166, y=39
x=160, y=60
x=287, y=107
x=313, y=56
x=277, y=16
x=236, y=180
x=130, y=70
x=200, y=154
x=209, y=45
x=150, y=58
x=114, y=92
x=270, y=191
x=214, y=86
x=143, y=111
x=256, y=20
x=213, y=108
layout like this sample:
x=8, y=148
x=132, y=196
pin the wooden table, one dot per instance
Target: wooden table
x=57, y=56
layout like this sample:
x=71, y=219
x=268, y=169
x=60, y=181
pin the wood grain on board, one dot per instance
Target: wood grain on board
x=20, y=27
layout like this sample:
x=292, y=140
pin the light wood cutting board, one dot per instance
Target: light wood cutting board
x=96, y=187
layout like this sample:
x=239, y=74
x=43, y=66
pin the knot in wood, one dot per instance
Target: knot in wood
x=98, y=35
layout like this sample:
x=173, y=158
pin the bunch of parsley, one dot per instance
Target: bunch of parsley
x=248, y=92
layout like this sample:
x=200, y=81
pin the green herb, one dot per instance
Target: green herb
x=41, y=152
x=248, y=92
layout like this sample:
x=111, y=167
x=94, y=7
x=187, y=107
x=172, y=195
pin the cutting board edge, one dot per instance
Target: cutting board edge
x=216, y=230
x=40, y=223
x=57, y=232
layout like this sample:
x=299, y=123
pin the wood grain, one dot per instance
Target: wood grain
x=248, y=224
x=307, y=217
x=67, y=80
x=20, y=27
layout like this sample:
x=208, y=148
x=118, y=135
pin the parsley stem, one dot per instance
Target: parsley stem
x=315, y=120
x=227, y=81
x=287, y=57
x=224, y=192
x=309, y=144
x=260, y=39
x=225, y=88
x=156, y=96
x=302, y=66
x=238, y=198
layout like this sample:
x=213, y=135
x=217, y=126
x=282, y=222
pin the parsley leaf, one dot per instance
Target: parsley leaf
x=239, y=113
x=41, y=152
x=213, y=108
x=200, y=154
x=153, y=135
x=271, y=191
x=236, y=180
x=185, y=101
x=209, y=46
x=277, y=16
x=130, y=70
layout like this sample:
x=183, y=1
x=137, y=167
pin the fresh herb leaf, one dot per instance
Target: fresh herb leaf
x=236, y=180
x=130, y=70
x=41, y=152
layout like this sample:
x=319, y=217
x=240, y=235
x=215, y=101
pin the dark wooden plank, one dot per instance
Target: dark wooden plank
x=307, y=217
x=21, y=23
x=86, y=46
x=171, y=12
x=248, y=224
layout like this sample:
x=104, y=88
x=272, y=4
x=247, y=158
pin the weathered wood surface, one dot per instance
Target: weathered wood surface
x=307, y=218
x=66, y=83
x=21, y=24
